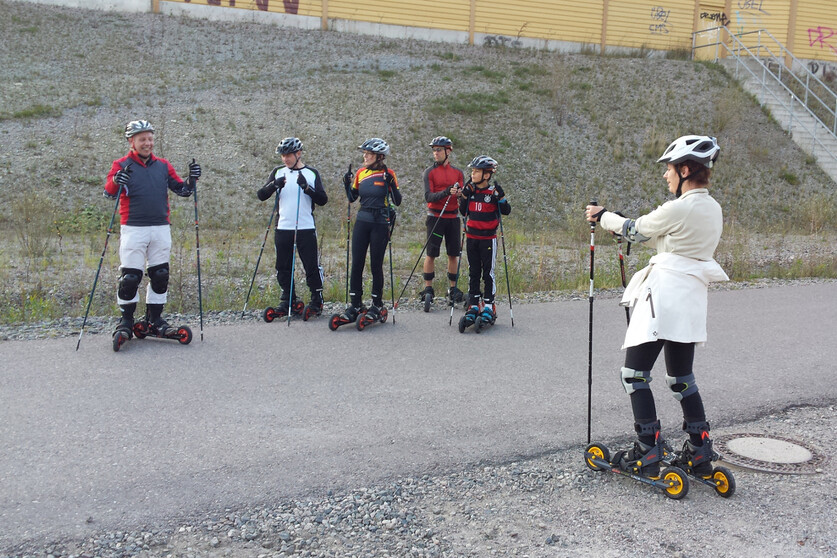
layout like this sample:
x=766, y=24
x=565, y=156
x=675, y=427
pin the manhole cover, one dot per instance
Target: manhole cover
x=771, y=454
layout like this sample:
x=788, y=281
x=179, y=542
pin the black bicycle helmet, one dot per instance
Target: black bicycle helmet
x=483, y=162
x=441, y=141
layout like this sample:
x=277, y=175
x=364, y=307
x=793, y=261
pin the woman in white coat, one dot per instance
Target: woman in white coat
x=669, y=300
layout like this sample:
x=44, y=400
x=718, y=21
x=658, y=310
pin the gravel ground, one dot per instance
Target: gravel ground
x=546, y=505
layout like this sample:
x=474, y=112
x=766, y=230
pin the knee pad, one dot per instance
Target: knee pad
x=129, y=283
x=452, y=276
x=633, y=380
x=159, y=277
x=682, y=386
x=429, y=276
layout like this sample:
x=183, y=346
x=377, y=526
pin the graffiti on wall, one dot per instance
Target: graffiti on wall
x=748, y=16
x=659, y=21
x=290, y=6
x=719, y=18
x=825, y=37
x=828, y=72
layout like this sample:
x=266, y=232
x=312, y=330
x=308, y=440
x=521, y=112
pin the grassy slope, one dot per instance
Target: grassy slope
x=564, y=128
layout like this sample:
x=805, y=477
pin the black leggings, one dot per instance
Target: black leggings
x=372, y=237
x=679, y=359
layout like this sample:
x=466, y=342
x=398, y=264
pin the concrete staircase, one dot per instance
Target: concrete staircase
x=809, y=134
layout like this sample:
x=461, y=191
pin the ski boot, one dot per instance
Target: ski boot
x=696, y=461
x=427, y=296
x=162, y=330
x=455, y=296
x=371, y=316
x=348, y=316
x=124, y=332
x=273, y=312
x=470, y=318
x=314, y=307
x=487, y=317
x=641, y=463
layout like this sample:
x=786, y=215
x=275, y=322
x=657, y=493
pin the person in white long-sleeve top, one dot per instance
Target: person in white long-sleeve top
x=669, y=301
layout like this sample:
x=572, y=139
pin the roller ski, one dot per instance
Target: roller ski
x=274, y=312
x=347, y=316
x=641, y=463
x=373, y=315
x=314, y=307
x=426, y=296
x=470, y=318
x=162, y=330
x=696, y=461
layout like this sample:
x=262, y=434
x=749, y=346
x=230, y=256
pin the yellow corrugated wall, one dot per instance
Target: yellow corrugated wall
x=565, y=20
x=658, y=25
x=816, y=30
x=661, y=24
x=752, y=15
x=435, y=14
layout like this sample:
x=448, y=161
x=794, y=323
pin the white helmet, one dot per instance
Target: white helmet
x=375, y=145
x=288, y=146
x=137, y=127
x=703, y=149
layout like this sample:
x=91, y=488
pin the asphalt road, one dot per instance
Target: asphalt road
x=261, y=412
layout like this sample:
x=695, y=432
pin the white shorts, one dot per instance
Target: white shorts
x=143, y=247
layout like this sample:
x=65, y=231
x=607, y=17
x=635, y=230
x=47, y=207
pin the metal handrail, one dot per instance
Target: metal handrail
x=767, y=72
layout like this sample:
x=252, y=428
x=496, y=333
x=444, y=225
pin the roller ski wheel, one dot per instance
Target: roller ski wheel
x=371, y=316
x=348, y=316
x=672, y=481
x=427, y=296
x=181, y=334
x=273, y=312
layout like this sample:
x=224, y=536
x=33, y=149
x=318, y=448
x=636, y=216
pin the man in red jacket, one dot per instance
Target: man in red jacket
x=142, y=182
x=442, y=184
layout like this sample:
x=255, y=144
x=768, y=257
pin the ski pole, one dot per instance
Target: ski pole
x=423, y=248
x=622, y=272
x=461, y=247
x=505, y=263
x=198, y=247
x=101, y=259
x=293, y=254
x=590, y=330
x=255, y=271
x=390, y=228
x=348, y=235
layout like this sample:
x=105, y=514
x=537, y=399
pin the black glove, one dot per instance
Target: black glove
x=121, y=178
x=194, y=170
x=347, y=178
x=498, y=191
x=300, y=180
x=389, y=180
x=468, y=190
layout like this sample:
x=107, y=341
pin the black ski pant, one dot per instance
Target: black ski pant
x=371, y=237
x=306, y=247
x=481, y=252
x=679, y=358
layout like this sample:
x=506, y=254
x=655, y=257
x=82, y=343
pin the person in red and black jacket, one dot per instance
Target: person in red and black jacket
x=142, y=182
x=482, y=203
x=442, y=184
